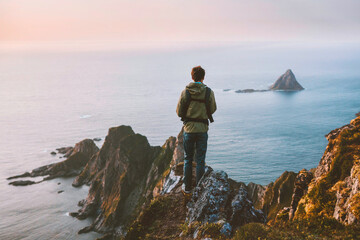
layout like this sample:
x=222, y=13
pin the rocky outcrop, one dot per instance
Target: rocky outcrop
x=216, y=200
x=287, y=82
x=122, y=176
x=335, y=190
x=78, y=156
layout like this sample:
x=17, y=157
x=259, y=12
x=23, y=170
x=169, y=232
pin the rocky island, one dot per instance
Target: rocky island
x=135, y=193
x=287, y=82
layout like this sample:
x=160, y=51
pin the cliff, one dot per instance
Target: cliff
x=335, y=190
x=135, y=192
x=122, y=176
x=287, y=81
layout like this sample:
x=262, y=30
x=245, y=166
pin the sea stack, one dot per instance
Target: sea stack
x=287, y=82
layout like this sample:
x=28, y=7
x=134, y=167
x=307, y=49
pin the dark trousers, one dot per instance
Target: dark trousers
x=192, y=142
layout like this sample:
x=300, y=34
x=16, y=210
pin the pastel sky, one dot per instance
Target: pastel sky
x=179, y=20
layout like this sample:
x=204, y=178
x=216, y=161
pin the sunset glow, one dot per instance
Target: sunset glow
x=163, y=20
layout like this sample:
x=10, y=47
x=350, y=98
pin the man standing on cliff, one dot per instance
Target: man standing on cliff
x=195, y=107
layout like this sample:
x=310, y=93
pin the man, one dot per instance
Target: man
x=195, y=107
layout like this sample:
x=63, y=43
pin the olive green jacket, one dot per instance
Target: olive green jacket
x=196, y=109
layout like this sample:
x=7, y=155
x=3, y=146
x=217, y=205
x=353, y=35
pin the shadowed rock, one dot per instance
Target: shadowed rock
x=302, y=181
x=278, y=194
x=256, y=194
x=287, y=81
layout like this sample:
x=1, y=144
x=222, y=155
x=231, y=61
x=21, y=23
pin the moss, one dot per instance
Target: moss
x=322, y=195
x=311, y=228
x=146, y=223
x=282, y=216
x=189, y=229
x=251, y=231
x=210, y=230
x=300, y=211
x=160, y=219
x=355, y=205
x=349, y=141
x=324, y=200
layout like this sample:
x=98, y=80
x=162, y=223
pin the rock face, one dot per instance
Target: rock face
x=122, y=176
x=216, y=200
x=335, y=189
x=287, y=81
x=302, y=181
x=278, y=195
x=78, y=157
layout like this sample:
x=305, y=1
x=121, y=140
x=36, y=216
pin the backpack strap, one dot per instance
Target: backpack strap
x=207, y=104
x=186, y=105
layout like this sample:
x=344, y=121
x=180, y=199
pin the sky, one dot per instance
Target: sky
x=24, y=21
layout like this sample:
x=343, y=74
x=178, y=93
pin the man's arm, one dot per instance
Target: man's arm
x=180, y=104
x=212, y=102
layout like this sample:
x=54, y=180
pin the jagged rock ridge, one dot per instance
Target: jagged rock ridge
x=77, y=158
x=287, y=81
x=122, y=176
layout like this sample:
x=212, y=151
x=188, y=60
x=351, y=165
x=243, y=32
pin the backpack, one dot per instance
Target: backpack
x=186, y=105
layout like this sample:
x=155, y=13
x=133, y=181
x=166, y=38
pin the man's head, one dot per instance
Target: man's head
x=198, y=74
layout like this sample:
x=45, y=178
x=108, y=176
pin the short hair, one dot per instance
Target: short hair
x=197, y=73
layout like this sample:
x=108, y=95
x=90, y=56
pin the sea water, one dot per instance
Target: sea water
x=52, y=98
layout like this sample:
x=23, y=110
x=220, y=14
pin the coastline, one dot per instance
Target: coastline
x=161, y=177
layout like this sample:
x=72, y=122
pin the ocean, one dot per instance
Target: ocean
x=52, y=98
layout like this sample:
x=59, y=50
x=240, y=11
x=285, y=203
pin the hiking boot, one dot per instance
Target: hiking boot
x=184, y=190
